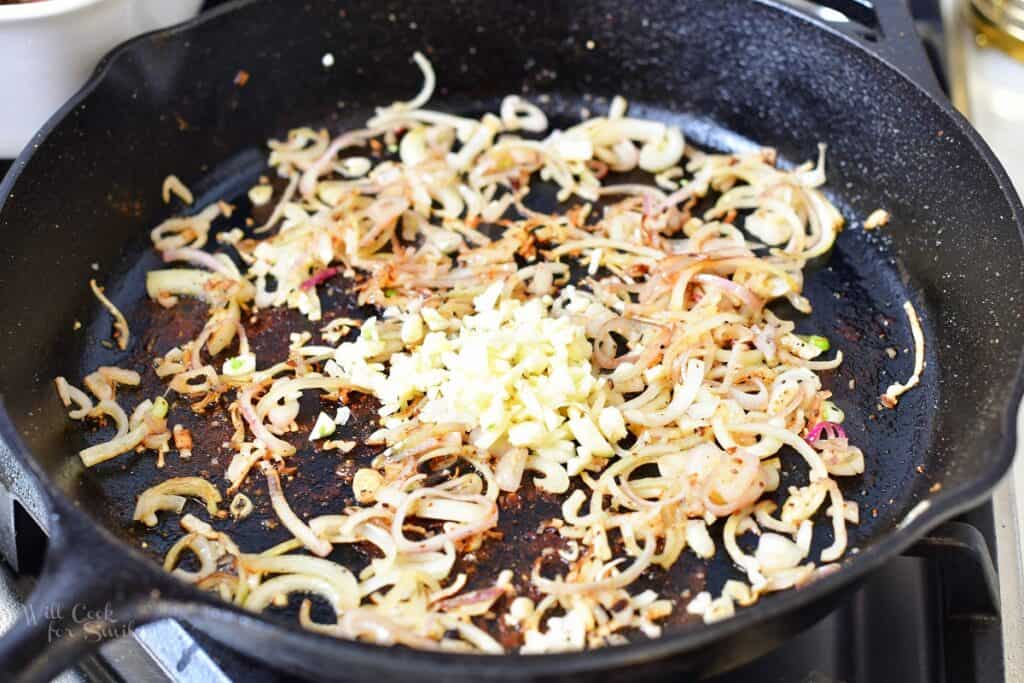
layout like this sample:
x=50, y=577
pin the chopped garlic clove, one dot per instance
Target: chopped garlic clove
x=260, y=194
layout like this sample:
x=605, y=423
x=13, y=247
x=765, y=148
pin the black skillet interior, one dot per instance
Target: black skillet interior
x=733, y=74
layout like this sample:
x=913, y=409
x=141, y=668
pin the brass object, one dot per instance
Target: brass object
x=999, y=23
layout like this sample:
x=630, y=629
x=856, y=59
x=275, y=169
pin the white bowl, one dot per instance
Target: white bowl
x=48, y=50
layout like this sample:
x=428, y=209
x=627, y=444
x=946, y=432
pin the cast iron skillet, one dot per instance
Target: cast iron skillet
x=730, y=72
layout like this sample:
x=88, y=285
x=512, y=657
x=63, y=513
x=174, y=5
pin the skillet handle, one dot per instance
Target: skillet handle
x=901, y=45
x=896, y=40
x=88, y=593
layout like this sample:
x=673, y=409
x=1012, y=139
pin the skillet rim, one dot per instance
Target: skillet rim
x=942, y=506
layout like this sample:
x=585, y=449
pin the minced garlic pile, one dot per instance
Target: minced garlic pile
x=508, y=373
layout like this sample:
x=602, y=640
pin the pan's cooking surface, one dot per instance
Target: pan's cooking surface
x=857, y=299
x=732, y=71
